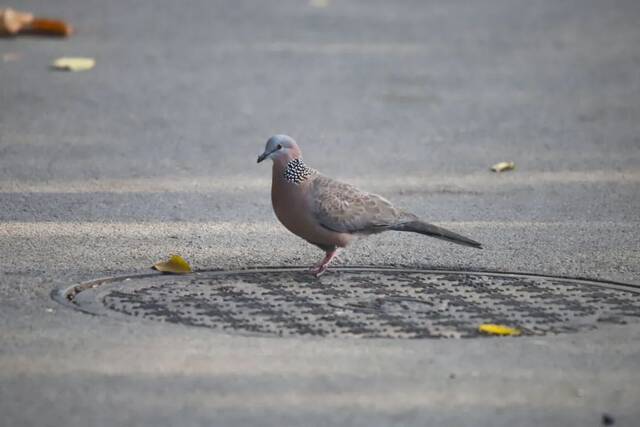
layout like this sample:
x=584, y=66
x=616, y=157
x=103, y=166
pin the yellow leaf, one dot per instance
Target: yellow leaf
x=492, y=329
x=503, y=166
x=174, y=265
x=74, y=64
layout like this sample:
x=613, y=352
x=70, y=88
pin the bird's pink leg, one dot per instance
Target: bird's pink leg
x=322, y=266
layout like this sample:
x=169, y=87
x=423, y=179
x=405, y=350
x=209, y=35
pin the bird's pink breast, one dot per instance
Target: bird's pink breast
x=293, y=206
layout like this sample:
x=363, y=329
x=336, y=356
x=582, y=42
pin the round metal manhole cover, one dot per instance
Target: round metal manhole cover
x=359, y=302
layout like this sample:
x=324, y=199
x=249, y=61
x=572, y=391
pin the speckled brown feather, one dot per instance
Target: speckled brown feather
x=344, y=208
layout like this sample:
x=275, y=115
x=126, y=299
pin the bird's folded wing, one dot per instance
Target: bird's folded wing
x=344, y=208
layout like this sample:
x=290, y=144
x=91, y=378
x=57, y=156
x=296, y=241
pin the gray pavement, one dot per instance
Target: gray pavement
x=153, y=152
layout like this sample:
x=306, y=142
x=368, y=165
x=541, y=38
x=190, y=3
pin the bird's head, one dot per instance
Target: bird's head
x=280, y=147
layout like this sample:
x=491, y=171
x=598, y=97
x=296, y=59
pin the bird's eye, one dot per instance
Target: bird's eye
x=279, y=147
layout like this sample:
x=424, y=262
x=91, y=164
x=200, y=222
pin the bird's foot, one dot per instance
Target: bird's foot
x=322, y=266
x=318, y=270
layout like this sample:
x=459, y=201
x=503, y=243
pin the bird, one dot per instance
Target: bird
x=331, y=214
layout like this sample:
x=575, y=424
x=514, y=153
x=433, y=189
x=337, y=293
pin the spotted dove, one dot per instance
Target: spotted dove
x=331, y=214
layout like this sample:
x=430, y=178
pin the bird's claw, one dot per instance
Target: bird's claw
x=323, y=265
x=318, y=270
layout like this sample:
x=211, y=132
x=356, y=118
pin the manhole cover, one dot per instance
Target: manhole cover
x=370, y=303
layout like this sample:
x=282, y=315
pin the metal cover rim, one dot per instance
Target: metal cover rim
x=90, y=296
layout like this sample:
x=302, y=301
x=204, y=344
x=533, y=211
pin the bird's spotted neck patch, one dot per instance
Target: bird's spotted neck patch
x=296, y=171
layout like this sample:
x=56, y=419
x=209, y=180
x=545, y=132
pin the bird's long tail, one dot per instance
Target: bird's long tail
x=422, y=227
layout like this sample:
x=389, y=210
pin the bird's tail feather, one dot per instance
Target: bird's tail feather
x=422, y=227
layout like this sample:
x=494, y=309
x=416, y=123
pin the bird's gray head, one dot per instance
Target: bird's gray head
x=280, y=146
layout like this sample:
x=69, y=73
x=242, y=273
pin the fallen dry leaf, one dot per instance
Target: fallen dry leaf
x=503, y=166
x=13, y=22
x=74, y=64
x=174, y=265
x=492, y=329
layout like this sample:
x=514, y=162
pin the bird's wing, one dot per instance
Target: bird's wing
x=344, y=208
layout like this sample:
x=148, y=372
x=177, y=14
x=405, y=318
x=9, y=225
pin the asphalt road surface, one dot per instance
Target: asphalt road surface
x=153, y=152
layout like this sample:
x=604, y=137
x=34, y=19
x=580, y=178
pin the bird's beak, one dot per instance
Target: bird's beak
x=264, y=155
